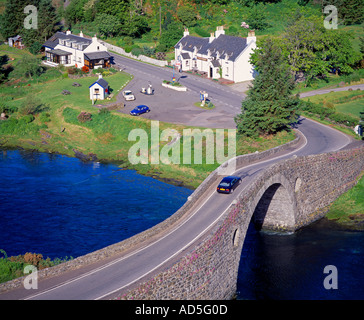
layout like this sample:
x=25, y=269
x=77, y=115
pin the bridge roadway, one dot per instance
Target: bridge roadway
x=106, y=279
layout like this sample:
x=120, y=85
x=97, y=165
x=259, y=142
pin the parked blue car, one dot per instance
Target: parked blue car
x=139, y=110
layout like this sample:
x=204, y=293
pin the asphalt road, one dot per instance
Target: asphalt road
x=105, y=280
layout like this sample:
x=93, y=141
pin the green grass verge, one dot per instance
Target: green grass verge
x=349, y=207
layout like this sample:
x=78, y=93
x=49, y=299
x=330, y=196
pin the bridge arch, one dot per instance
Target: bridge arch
x=275, y=205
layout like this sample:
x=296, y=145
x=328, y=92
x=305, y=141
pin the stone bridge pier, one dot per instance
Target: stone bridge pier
x=286, y=196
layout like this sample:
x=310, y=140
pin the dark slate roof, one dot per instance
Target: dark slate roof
x=229, y=47
x=102, y=82
x=215, y=63
x=54, y=40
x=60, y=52
x=189, y=42
x=185, y=55
x=97, y=55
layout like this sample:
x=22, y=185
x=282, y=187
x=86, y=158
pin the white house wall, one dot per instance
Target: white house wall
x=244, y=70
x=95, y=46
x=100, y=96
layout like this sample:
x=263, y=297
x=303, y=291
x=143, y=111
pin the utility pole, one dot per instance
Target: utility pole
x=160, y=20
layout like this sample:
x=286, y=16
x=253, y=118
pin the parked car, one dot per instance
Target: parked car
x=228, y=184
x=128, y=95
x=139, y=110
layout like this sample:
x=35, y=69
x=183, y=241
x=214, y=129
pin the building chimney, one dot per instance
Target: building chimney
x=219, y=30
x=186, y=32
x=68, y=32
x=212, y=37
x=81, y=34
x=251, y=36
x=94, y=38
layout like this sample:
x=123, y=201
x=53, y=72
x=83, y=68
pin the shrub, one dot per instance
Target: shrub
x=45, y=117
x=27, y=119
x=161, y=48
x=201, y=32
x=7, y=109
x=85, y=69
x=72, y=70
x=32, y=105
x=136, y=51
x=148, y=51
x=84, y=117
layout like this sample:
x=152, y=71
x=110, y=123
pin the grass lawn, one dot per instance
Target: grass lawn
x=349, y=207
x=354, y=108
x=51, y=92
x=349, y=102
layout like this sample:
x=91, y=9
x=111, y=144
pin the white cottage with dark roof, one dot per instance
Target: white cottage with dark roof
x=219, y=56
x=99, y=89
x=76, y=50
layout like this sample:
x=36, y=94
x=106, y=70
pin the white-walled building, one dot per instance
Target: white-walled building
x=220, y=55
x=99, y=89
x=72, y=50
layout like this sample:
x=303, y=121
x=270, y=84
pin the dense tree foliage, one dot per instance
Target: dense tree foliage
x=270, y=106
x=12, y=21
x=313, y=51
x=349, y=11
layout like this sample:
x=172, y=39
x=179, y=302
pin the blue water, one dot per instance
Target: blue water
x=291, y=266
x=59, y=206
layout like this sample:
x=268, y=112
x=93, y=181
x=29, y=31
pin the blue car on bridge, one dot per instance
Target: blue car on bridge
x=228, y=184
x=139, y=110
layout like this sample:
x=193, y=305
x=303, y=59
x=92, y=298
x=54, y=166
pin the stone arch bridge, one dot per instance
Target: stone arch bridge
x=287, y=196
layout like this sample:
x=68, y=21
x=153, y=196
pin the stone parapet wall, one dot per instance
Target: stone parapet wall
x=160, y=63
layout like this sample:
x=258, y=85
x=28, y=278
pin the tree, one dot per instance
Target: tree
x=269, y=107
x=172, y=35
x=47, y=25
x=313, y=51
x=257, y=18
x=107, y=24
x=135, y=26
x=12, y=20
x=28, y=66
x=117, y=8
x=349, y=11
x=187, y=16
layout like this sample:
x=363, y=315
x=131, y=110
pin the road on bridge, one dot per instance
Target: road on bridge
x=106, y=279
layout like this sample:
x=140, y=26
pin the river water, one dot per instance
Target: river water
x=62, y=207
